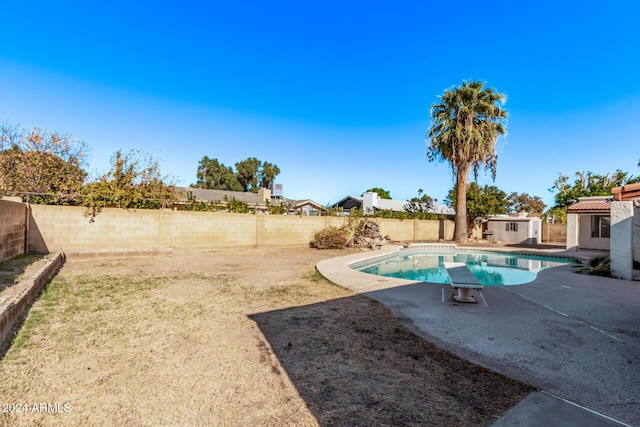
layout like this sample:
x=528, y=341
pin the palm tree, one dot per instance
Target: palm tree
x=466, y=125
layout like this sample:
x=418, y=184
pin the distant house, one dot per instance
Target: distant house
x=258, y=202
x=255, y=201
x=371, y=203
x=345, y=205
x=306, y=208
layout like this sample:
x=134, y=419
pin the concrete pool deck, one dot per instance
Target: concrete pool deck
x=575, y=337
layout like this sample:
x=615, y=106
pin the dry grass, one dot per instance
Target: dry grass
x=12, y=271
x=232, y=338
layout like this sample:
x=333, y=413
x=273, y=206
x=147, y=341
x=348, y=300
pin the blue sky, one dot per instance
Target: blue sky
x=335, y=93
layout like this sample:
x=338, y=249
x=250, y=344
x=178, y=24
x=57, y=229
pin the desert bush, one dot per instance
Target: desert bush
x=354, y=228
x=597, y=266
x=330, y=238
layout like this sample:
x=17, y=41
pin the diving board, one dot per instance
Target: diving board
x=463, y=280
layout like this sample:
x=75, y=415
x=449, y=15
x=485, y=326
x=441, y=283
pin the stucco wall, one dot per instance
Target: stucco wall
x=573, y=232
x=13, y=216
x=585, y=239
x=636, y=232
x=622, y=238
x=67, y=228
x=528, y=230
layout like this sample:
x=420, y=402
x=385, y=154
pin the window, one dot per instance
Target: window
x=511, y=261
x=600, y=226
x=511, y=226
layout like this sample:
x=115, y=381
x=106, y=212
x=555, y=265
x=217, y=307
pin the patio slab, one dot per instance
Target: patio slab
x=576, y=337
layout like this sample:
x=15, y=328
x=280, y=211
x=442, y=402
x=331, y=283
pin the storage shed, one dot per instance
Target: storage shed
x=514, y=229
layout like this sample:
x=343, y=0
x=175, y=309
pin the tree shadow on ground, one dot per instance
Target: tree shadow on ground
x=355, y=363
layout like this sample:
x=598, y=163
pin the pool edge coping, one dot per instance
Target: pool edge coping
x=338, y=269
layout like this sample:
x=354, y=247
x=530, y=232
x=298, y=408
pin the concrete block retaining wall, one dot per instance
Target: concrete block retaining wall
x=25, y=292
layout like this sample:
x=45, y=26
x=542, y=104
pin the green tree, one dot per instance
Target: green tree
x=254, y=174
x=134, y=181
x=41, y=166
x=418, y=204
x=466, y=125
x=382, y=193
x=276, y=208
x=214, y=175
x=525, y=203
x=247, y=172
x=588, y=184
x=481, y=202
x=235, y=205
x=267, y=174
x=251, y=175
x=422, y=197
x=555, y=214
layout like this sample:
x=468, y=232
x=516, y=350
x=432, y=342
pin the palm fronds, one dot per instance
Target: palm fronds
x=597, y=266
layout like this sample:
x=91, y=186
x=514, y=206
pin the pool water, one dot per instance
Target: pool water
x=490, y=268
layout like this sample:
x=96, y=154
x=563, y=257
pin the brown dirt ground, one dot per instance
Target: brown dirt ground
x=236, y=337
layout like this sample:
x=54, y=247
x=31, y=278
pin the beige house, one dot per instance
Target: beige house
x=306, y=208
x=589, y=223
x=255, y=201
x=609, y=223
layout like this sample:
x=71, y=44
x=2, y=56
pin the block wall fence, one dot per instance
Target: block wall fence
x=41, y=228
x=13, y=217
x=67, y=228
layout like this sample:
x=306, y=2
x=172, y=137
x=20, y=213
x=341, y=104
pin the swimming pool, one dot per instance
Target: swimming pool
x=424, y=263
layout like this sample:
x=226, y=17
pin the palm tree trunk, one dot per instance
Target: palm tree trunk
x=460, y=229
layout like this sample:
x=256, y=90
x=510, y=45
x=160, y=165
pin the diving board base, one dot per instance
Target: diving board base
x=463, y=295
x=462, y=280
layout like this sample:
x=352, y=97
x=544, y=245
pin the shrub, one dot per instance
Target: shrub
x=330, y=238
x=597, y=266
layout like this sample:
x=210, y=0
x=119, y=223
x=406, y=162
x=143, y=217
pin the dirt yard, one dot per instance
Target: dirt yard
x=231, y=338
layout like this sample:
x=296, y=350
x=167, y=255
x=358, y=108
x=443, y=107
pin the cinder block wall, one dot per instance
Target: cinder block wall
x=54, y=228
x=396, y=229
x=275, y=230
x=13, y=228
x=207, y=230
x=432, y=230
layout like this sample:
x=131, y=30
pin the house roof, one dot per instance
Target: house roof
x=513, y=218
x=590, y=206
x=627, y=192
x=206, y=195
x=354, y=198
x=442, y=209
x=391, y=205
x=397, y=205
x=300, y=203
